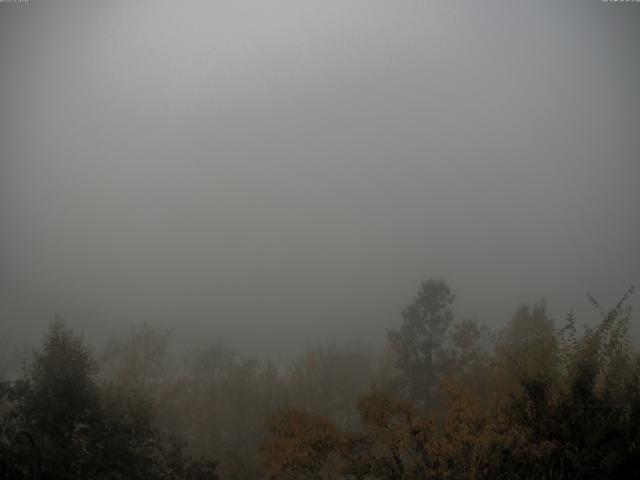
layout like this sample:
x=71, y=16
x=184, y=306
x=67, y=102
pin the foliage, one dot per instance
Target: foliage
x=302, y=444
x=447, y=399
x=567, y=407
x=89, y=430
x=138, y=360
x=328, y=381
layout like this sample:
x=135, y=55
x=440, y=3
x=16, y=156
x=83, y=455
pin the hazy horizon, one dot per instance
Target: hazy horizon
x=280, y=173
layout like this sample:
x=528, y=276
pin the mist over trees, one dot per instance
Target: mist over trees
x=535, y=402
x=326, y=240
x=447, y=398
x=85, y=428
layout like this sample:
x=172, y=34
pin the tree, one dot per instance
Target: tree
x=328, y=381
x=419, y=342
x=299, y=445
x=60, y=395
x=527, y=346
x=139, y=360
x=578, y=405
x=222, y=403
x=89, y=430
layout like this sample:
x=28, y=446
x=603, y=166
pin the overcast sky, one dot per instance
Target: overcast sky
x=279, y=172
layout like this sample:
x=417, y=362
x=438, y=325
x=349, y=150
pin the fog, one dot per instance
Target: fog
x=281, y=173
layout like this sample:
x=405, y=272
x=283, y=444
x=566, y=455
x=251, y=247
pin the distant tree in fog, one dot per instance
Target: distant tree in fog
x=140, y=359
x=420, y=341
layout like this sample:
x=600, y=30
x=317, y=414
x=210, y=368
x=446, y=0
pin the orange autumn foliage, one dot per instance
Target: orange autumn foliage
x=301, y=444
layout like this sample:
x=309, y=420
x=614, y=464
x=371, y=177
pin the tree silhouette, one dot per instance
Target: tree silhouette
x=419, y=342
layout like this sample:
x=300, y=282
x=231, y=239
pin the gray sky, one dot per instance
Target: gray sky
x=280, y=172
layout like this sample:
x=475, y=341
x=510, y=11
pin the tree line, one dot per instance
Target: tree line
x=448, y=398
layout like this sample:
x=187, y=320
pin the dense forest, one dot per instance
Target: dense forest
x=447, y=399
